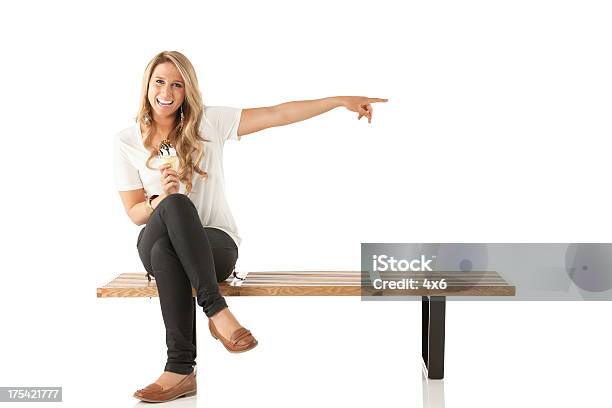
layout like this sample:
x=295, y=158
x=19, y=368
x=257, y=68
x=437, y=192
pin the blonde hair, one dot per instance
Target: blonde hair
x=186, y=138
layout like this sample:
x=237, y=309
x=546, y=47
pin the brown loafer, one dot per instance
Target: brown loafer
x=241, y=340
x=156, y=393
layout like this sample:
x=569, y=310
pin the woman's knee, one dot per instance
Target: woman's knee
x=161, y=251
x=176, y=200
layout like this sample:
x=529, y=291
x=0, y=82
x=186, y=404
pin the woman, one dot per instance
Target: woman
x=190, y=238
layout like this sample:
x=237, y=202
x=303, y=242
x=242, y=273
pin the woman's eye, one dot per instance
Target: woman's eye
x=178, y=85
x=159, y=81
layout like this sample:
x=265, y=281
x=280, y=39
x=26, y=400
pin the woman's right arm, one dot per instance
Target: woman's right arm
x=135, y=201
x=135, y=205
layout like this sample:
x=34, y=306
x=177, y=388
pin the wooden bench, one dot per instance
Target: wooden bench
x=343, y=283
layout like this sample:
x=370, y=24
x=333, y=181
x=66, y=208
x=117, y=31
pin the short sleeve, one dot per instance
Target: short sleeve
x=225, y=120
x=126, y=175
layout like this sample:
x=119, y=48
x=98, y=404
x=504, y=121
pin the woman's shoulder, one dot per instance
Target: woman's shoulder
x=127, y=135
x=217, y=115
x=216, y=110
x=223, y=120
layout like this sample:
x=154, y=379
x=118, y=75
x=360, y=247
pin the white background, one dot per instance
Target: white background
x=496, y=130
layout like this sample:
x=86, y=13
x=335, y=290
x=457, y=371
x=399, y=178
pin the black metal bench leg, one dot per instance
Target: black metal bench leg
x=424, y=328
x=433, y=314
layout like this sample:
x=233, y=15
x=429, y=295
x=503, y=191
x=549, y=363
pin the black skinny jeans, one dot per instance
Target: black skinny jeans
x=180, y=253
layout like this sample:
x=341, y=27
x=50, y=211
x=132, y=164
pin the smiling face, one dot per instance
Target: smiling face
x=166, y=91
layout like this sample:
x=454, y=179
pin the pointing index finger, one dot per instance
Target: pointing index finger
x=377, y=100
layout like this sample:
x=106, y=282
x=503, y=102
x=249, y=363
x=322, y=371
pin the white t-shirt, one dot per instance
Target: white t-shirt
x=219, y=124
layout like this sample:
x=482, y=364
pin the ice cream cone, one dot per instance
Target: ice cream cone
x=167, y=154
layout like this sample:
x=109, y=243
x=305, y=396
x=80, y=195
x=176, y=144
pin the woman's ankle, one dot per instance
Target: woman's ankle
x=225, y=322
x=220, y=315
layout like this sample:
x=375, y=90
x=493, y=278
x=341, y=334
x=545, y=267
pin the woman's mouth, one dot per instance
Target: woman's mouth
x=164, y=103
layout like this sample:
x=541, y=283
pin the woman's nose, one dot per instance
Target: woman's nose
x=166, y=90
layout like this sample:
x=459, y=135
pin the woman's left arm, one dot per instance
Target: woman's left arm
x=256, y=119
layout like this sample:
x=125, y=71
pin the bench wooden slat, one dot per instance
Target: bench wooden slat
x=321, y=283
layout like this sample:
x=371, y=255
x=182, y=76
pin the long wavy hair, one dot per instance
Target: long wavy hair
x=184, y=136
